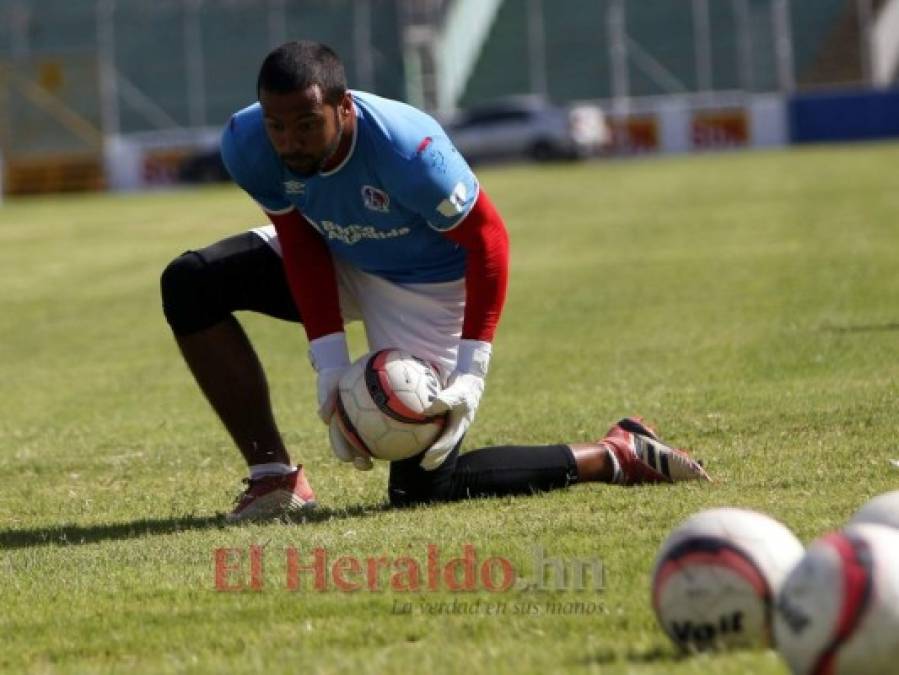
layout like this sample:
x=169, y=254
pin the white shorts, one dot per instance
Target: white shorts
x=423, y=319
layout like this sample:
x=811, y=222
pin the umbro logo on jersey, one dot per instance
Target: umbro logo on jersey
x=294, y=187
x=375, y=199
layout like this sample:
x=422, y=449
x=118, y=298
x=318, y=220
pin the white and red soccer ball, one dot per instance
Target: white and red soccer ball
x=381, y=401
x=717, y=575
x=838, y=610
x=881, y=510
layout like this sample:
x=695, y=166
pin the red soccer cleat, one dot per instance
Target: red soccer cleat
x=272, y=497
x=640, y=457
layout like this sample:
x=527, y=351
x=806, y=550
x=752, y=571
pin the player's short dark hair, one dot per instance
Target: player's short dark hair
x=301, y=64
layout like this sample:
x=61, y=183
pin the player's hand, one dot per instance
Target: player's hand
x=460, y=398
x=331, y=359
x=343, y=450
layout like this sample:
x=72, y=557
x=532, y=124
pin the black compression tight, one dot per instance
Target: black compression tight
x=504, y=470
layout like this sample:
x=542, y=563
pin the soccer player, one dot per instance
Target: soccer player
x=376, y=217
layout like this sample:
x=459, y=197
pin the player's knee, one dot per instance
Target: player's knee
x=187, y=302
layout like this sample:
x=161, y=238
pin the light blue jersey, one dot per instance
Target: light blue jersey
x=384, y=208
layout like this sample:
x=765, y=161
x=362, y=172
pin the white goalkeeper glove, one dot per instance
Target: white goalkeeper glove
x=343, y=450
x=460, y=399
x=331, y=358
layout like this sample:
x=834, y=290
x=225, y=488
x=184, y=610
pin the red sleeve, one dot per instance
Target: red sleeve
x=483, y=235
x=310, y=273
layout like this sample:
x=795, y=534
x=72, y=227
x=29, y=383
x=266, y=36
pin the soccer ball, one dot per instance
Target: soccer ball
x=380, y=404
x=838, y=610
x=716, y=576
x=882, y=510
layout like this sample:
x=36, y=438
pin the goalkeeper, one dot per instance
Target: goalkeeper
x=374, y=216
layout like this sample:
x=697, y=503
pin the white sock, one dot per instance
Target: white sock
x=270, y=469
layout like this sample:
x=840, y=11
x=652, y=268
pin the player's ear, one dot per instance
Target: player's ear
x=346, y=103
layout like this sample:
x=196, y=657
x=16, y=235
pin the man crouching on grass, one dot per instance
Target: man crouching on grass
x=375, y=216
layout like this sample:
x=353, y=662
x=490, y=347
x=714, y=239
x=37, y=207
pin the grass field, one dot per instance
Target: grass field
x=747, y=304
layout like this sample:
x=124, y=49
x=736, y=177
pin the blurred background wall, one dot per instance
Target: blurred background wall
x=117, y=93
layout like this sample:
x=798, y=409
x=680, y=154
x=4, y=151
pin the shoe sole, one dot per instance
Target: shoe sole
x=271, y=507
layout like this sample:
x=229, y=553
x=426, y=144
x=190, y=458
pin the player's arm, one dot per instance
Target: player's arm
x=307, y=261
x=446, y=193
x=310, y=274
x=313, y=283
x=312, y=279
x=482, y=233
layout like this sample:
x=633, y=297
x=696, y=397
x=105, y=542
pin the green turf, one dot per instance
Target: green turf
x=748, y=304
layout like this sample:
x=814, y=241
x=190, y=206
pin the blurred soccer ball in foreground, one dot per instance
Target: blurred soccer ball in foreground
x=716, y=577
x=380, y=405
x=838, y=610
x=881, y=510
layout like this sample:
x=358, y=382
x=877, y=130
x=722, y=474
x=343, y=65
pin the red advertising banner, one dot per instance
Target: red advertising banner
x=717, y=129
x=635, y=135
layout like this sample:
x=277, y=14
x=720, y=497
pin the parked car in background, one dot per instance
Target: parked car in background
x=529, y=127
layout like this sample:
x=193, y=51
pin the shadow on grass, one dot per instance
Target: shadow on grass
x=862, y=328
x=605, y=657
x=71, y=534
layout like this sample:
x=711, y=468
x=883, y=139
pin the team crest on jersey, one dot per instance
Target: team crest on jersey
x=294, y=187
x=375, y=199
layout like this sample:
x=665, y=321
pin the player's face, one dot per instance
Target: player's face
x=303, y=128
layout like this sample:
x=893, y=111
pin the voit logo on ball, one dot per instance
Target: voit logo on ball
x=716, y=577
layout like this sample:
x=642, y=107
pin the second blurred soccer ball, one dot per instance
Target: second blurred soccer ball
x=881, y=510
x=838, y=610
